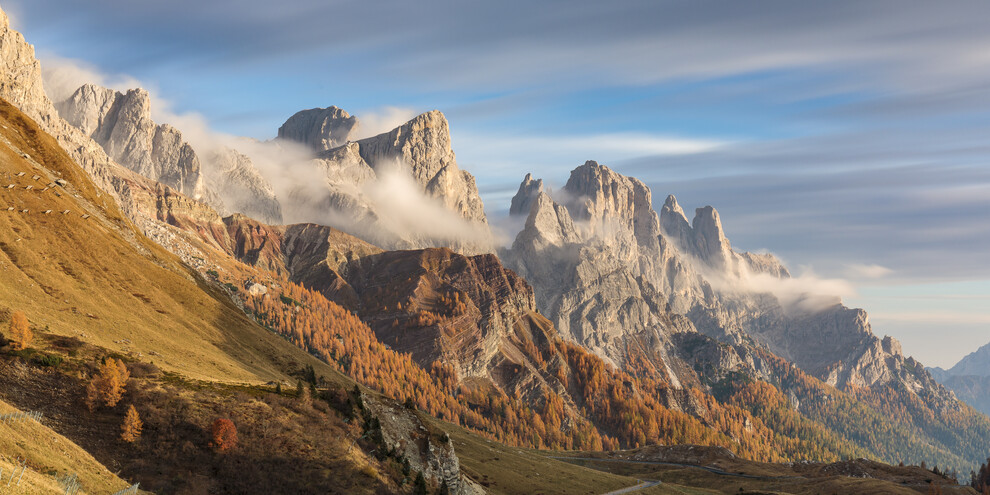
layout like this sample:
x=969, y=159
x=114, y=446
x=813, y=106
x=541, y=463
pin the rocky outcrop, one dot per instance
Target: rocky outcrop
x=358, y=181
x=241, y=186
x=977, y=363
x=319, y=128
x=429, y=452
x=121, y=123
x=609, y=271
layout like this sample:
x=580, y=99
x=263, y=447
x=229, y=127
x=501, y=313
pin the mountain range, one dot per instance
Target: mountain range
x=366, y=267
x=969, y=378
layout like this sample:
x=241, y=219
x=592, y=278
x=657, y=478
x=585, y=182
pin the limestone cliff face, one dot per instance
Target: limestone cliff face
x=241, y=187
x=594, y=262
x=319, y=128
x=21, y=85
x=419, y=150
x=608, y=271
x=121, y=123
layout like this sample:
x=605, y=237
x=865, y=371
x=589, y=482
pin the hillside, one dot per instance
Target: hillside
x=188, y=346
x=49, y=458
x=132, y=283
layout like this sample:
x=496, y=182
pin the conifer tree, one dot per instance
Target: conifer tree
x=131, y=429
x=20, y=330
x=419, y=486
x=108, y=386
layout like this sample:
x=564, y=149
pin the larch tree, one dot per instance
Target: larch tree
x=20, y=330
x=108, y=386
x=131, y=429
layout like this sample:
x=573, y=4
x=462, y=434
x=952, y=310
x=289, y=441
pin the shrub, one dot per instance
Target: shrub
x=48, y=360
x=224, y=435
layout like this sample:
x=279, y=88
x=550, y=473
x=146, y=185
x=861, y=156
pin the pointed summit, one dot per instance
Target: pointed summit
x=529, y=189
x=709, y=239
x=674, y=223
x=671, y=203
x=319, y=128
x=121, y=123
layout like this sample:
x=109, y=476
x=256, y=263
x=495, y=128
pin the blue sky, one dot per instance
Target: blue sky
x=849, y=138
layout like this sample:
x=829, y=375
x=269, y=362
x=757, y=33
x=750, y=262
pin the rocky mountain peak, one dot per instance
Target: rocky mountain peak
x=422, y=145
x=121, y=123
x=523, y=200
x=319, y=128
x=671, y=205
x=94, y=104
x=613, y=205
x=976, y=363
x=421, y=150
x=674, y=224
x=710, y=243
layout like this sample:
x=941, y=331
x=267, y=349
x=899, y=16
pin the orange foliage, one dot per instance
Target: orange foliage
x=224, y=435
x=20, y=330
x=109, y=385
x=131, y=429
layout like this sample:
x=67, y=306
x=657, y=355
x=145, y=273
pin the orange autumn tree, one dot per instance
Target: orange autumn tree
x=224, y=434
x=108, y=386
x=20, y=330
x=131, y=429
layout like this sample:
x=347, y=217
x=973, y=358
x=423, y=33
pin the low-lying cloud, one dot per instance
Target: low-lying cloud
x=382, y=204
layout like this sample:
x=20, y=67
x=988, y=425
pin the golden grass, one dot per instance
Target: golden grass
x=49, y=454
x=100, y=280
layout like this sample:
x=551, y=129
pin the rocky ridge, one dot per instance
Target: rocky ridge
x=319, y=128
x=419, y=150
x=607, y=269
x=969, y=379
x=121, y=123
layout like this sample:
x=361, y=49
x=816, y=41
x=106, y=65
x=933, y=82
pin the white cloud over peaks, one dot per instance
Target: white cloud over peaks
x=805, y=292
x=63, y=76
x=615, y=145
x=374, y=122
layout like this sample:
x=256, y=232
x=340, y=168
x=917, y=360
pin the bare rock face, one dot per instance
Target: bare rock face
x=609, y=271
x=241, y=187
x=319, y=128
x=358, y=175
x=976, y=363
x=122, y=124
x=426, y=450
x=586, y=259
x=21, y=85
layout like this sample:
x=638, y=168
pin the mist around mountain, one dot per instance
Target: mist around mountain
x=359, y=276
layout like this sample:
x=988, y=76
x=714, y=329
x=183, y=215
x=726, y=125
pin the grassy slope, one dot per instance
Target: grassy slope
x=98, y=279
x=48, y=454
x=767, y=477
